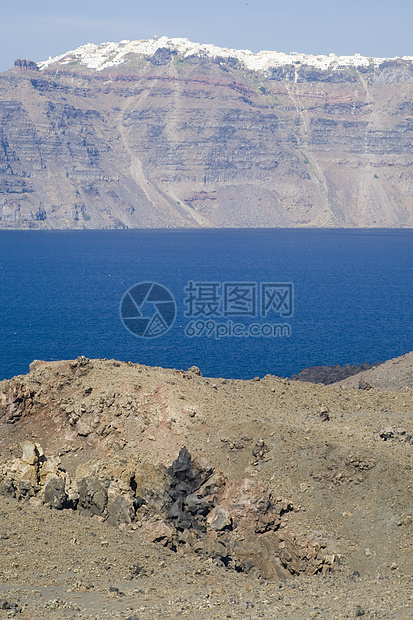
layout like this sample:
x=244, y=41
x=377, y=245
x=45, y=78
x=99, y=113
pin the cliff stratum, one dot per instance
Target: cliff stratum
x=169, y=133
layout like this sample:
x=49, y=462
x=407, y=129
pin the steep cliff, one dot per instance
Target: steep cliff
x=173, y=134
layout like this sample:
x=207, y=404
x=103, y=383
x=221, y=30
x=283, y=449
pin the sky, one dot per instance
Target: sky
x=37, y=30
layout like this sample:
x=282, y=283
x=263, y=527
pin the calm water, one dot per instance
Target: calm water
x=60, y=294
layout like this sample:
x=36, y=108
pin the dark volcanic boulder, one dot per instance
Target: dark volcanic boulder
x=183, y=507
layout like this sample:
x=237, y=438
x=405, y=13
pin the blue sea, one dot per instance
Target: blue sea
x=331, y=296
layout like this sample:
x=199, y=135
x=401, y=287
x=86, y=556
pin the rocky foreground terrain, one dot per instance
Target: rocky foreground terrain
x=169, y=133
x=128, y=491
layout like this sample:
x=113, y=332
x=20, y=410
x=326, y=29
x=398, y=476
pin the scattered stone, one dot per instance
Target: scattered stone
x=324, y=414
x=7, y=487
x=49, y=469
x=260, y=449
x=26, y=489
x=27, y=473
x=386, y=433
x=82, y=428
x=10, y=605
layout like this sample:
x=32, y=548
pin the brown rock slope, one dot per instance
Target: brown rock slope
x=129, y=491
x=393, y=374
x=189, y=141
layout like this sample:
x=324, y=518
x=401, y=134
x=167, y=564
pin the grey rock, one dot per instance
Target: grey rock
x=219, y=519
x=26, y=489
x=92, y=496
x=120, y=511
x=8, y=487
x=197, y=505
x=162, y=56
x=195, y=371
x=55, y=494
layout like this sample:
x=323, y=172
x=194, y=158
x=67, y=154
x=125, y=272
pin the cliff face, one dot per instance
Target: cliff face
x=171, y=139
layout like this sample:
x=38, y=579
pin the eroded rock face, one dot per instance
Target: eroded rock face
x=25, y=64
x=15, y=401
x=287, y=147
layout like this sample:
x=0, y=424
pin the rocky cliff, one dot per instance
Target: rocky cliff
x=166, y=133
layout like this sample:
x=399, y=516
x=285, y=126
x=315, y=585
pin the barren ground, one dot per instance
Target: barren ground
x=337, y=458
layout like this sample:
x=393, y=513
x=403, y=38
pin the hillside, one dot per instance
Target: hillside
x=393, y=374
x=168, y=133
x=135, y=492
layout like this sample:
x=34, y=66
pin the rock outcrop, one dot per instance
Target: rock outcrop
x=25, y=64
x=173, y=134
x=272, y=477
x=393, y=374
x=136, y=492
x=15, y=401
x=230, y=522
x=331, y=374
